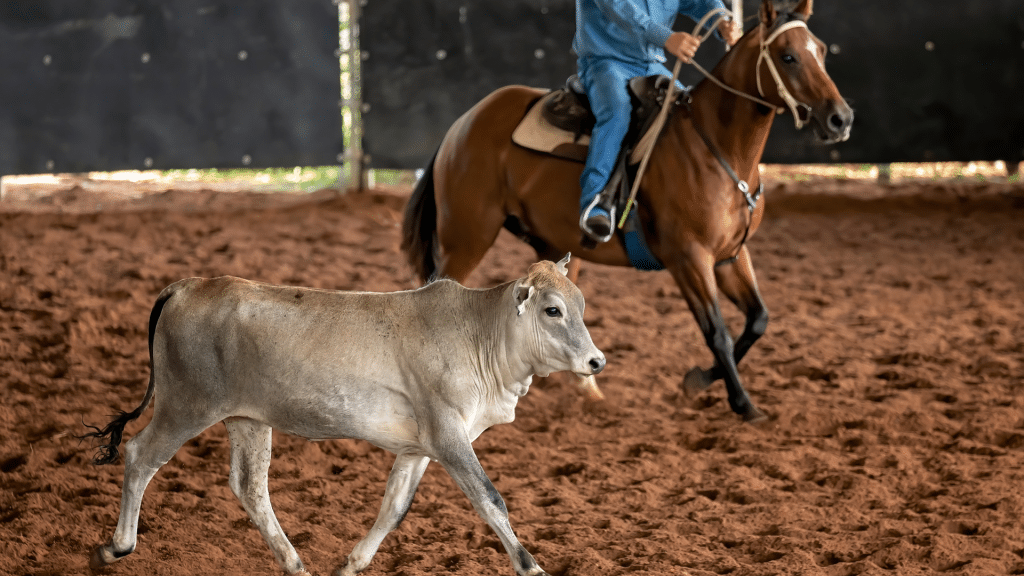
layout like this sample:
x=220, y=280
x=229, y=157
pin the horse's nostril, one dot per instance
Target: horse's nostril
x=597, y=364
x=837, y=121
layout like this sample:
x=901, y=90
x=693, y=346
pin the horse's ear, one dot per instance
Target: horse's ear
x=768, y=13
x=805, y=7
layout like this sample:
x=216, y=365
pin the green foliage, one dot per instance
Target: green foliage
x=297, y=179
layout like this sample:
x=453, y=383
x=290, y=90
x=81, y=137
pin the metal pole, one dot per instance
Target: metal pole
x=352, y=99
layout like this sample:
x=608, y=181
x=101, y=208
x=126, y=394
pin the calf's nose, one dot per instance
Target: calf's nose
x=597, y=364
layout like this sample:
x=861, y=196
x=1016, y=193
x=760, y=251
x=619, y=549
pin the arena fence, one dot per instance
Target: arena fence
x=157, y=84
x=929, y=82
x=145, y=84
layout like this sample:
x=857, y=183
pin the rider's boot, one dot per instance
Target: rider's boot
x=598, y=219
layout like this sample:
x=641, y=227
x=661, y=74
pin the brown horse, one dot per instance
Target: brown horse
x=692, y=212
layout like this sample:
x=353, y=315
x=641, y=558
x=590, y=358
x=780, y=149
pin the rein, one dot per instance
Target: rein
x=646, y=143
x=763, y=56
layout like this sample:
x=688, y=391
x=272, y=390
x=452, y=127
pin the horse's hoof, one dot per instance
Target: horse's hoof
x=696, y=381
x=588, y=385
x=754, y=415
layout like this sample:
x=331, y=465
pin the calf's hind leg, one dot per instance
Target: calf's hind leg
x=250, y=462
x=150, y=449
x=405, y=477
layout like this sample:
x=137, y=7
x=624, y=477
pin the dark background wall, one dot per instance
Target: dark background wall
x=929, y=80
x=115, y=84
x=133, y=84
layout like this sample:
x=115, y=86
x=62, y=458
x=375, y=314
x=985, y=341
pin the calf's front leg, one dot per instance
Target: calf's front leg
x=405, y=477
x=455, y=452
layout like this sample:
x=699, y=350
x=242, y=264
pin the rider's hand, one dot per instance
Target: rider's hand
x=730, y=31
x=682, y=45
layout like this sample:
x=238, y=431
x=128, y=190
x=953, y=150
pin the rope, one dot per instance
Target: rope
x=647, y=141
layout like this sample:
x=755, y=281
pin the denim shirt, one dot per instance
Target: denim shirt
x=631, y=30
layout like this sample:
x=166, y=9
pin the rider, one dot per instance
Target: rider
x=617, y=40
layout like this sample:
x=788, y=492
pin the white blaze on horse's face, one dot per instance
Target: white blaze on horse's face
x=553, y=308
x=816, y=51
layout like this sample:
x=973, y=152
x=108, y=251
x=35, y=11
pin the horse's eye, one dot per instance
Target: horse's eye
x=788, y=59
x=553, y=312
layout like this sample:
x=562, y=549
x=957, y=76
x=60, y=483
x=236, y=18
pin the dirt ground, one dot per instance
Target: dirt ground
x=893, y=371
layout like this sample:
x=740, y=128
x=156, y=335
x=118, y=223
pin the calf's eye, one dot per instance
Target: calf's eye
x=553, y=312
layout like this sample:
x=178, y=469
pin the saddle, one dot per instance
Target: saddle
x=561, y=122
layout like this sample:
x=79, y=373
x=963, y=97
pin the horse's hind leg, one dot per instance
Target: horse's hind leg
x=465, y=231
x=150, y=449
x=694, y=273
x=737, y=281
x=250, y=462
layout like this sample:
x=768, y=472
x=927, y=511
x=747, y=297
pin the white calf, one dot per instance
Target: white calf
x=420, y=373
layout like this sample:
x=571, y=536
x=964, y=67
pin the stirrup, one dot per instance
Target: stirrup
x=588, y=232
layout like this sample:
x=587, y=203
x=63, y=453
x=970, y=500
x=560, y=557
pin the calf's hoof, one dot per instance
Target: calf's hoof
x=696, y=381
x=100, y=558
x=344, y=570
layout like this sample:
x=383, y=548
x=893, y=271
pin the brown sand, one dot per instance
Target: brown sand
x=892, y=369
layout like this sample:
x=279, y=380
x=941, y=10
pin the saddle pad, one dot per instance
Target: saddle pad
x=536, y=133
x=635, y=243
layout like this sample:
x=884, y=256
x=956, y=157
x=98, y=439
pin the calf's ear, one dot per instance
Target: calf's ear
x=562, y=263
x=521, y=292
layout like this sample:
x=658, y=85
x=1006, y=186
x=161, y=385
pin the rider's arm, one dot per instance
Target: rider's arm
x=627, y=15
x=696, y=9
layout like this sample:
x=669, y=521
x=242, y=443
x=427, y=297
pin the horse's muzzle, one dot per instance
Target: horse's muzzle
x=832, y=121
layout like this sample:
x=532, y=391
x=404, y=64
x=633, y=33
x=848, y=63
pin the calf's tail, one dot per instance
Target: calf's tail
x=107, y=452
x=419, y=226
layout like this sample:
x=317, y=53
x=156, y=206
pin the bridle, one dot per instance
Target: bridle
x=784, y=92
x=763, y=56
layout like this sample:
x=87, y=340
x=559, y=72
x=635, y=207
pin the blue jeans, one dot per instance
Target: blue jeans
x=605, y=80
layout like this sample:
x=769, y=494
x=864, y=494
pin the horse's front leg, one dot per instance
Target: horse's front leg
x=739, y=284
x=694, y=272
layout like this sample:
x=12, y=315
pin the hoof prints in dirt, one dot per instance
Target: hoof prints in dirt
x=893, y=369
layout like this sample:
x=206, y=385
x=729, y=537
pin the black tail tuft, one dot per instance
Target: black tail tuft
x=107, y=453
x=419, y=226
x=113, y=432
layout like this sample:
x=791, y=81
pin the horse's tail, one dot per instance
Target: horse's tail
x=107, y=453
x=419, y=226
